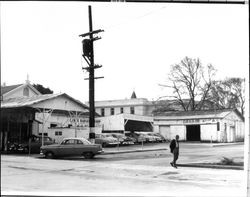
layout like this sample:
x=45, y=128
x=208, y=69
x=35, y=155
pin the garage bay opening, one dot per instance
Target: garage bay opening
x=193, y=133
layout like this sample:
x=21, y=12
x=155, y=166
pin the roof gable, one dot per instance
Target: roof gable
x=40, y=101
x=17, y=90
x=6, y=89
x=222, y=113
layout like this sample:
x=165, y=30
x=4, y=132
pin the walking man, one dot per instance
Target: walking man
x=174, y=148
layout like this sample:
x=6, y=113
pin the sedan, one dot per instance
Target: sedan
x=72, y=147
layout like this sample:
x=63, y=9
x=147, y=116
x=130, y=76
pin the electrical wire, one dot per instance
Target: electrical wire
x=134, y=19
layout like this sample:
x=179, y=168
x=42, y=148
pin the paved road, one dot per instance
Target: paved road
x=144, y=174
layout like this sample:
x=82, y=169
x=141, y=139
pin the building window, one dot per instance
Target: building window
x=44, y=134
x=218, y=126
x=103, y=112
x=26, y=91
x=53, y=125
x=132, y=110
x=112, y=111
x=57, y=133
x=121, y=110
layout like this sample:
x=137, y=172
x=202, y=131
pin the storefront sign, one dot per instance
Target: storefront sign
x=199, y=121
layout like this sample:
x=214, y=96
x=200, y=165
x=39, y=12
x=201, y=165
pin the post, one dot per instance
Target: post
x=43, y=127
x=88, y=55
x=247, y=143
x=91, y=84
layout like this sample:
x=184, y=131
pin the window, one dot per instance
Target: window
x=132, y=110
x=58, y=133
x=121, y=110
x=112, y=111
x=44, y=134
x=79, y=142
x=53, y=125
x=26, y=91
x=103, y=112
x=218, y=126
x=68, y=142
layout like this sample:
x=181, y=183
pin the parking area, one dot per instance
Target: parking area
x=137, y=173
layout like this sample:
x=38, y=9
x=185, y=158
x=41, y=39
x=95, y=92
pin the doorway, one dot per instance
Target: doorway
x=193, y=133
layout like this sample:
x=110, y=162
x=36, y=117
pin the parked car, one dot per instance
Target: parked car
x=149, y=138
x=72, y=147
x=156, y=137
x=163, y=139
x=137, y=138
x=106, y=140
x=32, y=145
x=124, y=140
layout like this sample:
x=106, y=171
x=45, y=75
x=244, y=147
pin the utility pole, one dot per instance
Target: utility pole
x=88, y=55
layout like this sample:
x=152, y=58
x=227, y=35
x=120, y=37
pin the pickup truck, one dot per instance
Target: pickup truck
x=72, y=147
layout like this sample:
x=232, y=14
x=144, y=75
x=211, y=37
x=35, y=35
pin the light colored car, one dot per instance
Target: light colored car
x=72, y=147
x=106, y=140
x=137, y=138
x=124, y=140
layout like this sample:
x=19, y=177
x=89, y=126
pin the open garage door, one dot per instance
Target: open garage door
x=193, y=132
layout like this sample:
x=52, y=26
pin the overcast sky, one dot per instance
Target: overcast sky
x=139, y=44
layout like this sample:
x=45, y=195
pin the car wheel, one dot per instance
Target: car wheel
x=49, y=155
x=88, y=155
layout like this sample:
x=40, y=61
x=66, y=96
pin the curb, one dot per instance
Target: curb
x=132, y=151
x=228, y=144
x=197, y=165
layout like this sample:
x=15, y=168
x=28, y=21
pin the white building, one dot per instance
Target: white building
x=218, y=126
x=25, y=111
x=136, y=106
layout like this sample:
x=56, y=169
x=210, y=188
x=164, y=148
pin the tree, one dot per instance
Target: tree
x=190, y=82
x=42, y=89
x=229, y=93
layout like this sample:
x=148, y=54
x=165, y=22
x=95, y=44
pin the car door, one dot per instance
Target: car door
x=66, y=147
x=79, y=147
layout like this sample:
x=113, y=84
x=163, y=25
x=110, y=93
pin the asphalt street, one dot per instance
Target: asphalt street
x=143, y=173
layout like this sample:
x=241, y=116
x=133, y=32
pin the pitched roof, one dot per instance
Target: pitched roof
x=5, y=89
x=133, y=96
x=221, y=113
x=29, y=101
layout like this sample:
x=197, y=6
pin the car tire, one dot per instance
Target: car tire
x=88, y=155
x=49, y=155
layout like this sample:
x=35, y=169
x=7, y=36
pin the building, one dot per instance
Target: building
x=136, y=106
x=18, y=90
x=225, y=125
x=24, y=111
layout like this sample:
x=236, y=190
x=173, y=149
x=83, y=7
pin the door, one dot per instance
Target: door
x=66, y=147
x=165, y=131
x=193, y=133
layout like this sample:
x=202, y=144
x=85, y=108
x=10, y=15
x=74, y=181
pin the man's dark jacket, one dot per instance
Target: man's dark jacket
x=172, y=145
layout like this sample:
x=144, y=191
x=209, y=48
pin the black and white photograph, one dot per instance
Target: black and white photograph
x=125, y=98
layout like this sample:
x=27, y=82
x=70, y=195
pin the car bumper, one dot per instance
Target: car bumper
x=128, y=142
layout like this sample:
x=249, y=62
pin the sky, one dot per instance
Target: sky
x=139, y=43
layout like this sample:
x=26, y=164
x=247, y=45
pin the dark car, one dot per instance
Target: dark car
x=72, y=147
x=34, y=144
